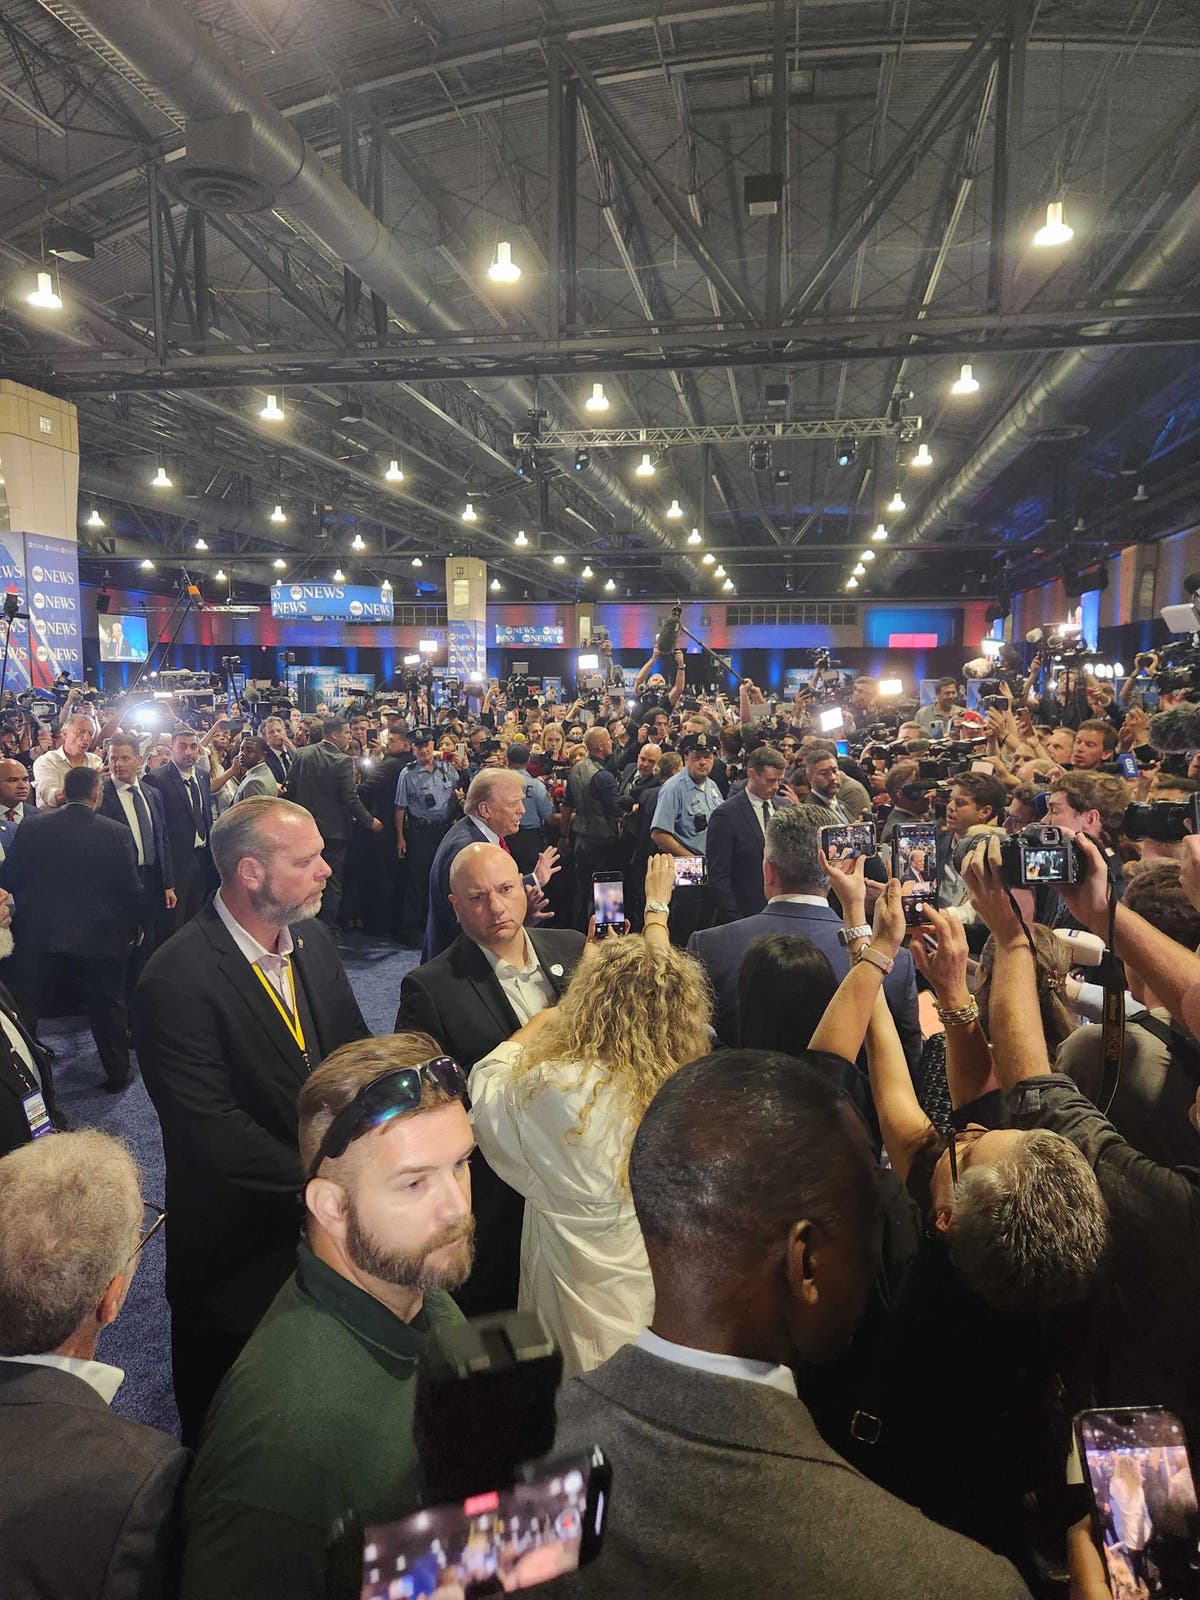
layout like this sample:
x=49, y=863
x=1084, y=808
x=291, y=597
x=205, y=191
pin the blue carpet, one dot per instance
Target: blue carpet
x=139, y=1341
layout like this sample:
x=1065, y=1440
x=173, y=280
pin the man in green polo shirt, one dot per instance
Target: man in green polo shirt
x=315, y=1419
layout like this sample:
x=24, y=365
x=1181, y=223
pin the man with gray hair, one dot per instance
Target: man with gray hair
x=494, y=807
x=87, y=1497
x=796, y=890
x=229, y=1018
x=52, y=766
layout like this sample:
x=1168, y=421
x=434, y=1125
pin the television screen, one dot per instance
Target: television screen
x=123, y=639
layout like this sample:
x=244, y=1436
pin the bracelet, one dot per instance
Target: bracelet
x=957, y=1016
x=874, y=958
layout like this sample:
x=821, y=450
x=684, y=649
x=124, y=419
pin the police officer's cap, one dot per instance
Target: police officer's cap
x=702, y=742
x=421, y=736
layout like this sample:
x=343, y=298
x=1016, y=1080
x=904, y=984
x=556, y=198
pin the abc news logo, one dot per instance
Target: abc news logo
x=54, y=602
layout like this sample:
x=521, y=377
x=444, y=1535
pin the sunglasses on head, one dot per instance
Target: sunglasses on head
x=390, y=1095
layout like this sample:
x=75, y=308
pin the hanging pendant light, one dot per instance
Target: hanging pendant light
x=219, y=575
x=645, y=467
x=694, y=536
x=496, y=586
x=279, y=514
x=394, y=473
x=610, y=584
x=922, y=457
x=358, y=542
x=503, y=268
x=674, y=510
x=521, y=540
x=469, y=513
x=160, y=479
x=95, y=520
x=279, y=564
x=896, y=503
x=966, y=382
x=1054, y=230
x=272, y=411
x=597, y=400
x=44, y=296
x=201, y=543
x=879, y=533
x=339, y=576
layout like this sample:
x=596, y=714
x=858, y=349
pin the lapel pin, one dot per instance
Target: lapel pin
x=299, y=944
x=556, y=971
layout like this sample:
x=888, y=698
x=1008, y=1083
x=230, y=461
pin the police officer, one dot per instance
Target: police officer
x=685, y=803
x=426, y=792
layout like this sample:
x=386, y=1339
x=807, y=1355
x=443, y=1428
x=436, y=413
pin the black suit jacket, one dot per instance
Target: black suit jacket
x=88, y=1499
x=275, y=761
x=111, y=806
x=458, y=999
x=441, y=925
x=73, y=875
x=14, y=1127
x=734, y=850
x=224, y=1076
x=322, y=781
x=181, y=826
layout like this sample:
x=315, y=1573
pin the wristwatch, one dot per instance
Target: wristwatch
x=875, y=958
x=847, y=936
x=658, y=905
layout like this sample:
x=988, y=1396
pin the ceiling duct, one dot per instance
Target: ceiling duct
x=169, y=50
x=1169, y=261
x=217, y=172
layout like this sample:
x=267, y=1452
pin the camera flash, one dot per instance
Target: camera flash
x=831, y=720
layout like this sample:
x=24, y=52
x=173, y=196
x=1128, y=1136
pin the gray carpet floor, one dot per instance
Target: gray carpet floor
x=139, y=1341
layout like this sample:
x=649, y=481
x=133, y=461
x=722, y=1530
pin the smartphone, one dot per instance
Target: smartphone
x=1135, y=1462
x=980, y=765
x=831, y=720
x=850, y=840
x=608, y=898
x=914, y=864
x=461, y=747
x=690, y=872
x=1128, y=765
x=550, y=1522
x=842, y=746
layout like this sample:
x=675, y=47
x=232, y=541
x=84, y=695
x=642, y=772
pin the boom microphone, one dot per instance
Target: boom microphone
x=1176, y=731
x=668, y=635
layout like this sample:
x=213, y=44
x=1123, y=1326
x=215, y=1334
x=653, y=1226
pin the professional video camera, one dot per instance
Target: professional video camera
x=1063, y=644
x=521, y=693
x=1040, y=854
x=1164, y=821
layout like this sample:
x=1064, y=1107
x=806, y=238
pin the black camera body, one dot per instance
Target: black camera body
x=1040, y=854
x=1164, y=821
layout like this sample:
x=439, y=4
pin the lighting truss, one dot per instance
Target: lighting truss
x=718, y=433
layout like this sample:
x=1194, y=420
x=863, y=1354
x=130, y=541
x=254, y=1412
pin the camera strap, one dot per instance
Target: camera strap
x=1112, y=1038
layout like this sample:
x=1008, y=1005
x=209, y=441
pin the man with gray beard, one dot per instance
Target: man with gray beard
x=230, y=1017
x=315, y=1420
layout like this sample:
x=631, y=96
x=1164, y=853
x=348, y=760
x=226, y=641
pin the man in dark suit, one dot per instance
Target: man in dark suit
x=229, y=1019
x=490, y=981
x=183, y=787
x=88, y=1498
x=757, y=1195
x=384, y=875
x=280, y=749
x=322, y=781
x=736, y=832
x=24, y=1070
x=140, y=809
x=796, y=891
x=16, y=800
x=77, y=897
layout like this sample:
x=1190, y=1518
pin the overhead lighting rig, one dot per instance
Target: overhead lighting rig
x=897, y=424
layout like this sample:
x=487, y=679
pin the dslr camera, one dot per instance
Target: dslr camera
x=1164, y=821
x=1040, y=854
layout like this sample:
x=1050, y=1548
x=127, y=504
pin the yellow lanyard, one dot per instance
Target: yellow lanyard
x=290, y=1021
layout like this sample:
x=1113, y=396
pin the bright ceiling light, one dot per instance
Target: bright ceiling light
x=358, y=542
x=219, y=575
x=896, y=503
x=560, y=561
x=279, y=514
x=272, y=411
x=597, y=400
x=160, y=479
x=709, y=559
x=339, y=576
x=867, y=555
x=728, y=584
x=922, y=457
x=1054, y=230
x=417, y=562
x=674, y=510
x=645, y=467
x=587, y=571
x=521, y=541
x=386, y=586
x=201, y=544
x=95, y=520
x=279, y=564
x=694, y=536
x=394, y=473
x=852, y=583
x=44, y=297
x=610, y=584
x=860, y=571
x=503, y=268
x=719, y=572
x=469, y=513
x=966, y=382
x=496, y=585
x=879, y=533
x=147, y=565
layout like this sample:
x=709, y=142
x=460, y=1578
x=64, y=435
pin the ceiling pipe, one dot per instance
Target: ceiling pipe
x=168, y=47
x=1169, y=260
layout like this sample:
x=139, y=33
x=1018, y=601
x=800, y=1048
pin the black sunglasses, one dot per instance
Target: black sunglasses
x=388, y=1096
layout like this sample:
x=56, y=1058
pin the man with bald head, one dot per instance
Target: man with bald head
x=495, y=975
x=14, y=797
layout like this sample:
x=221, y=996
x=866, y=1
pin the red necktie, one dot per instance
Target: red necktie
x=504, y=847
x=10, y=816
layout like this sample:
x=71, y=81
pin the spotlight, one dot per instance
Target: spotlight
x=583, y=460
x=469, y=513
x=844, y=452
x=760, y=458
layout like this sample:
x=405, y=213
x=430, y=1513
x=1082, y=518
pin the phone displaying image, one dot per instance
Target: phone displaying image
x=548, y=1523
x=1144, y=1511
x=608, y=899
x=690, y=872
x=850, y=840
x=914, y=864
x=842, y=746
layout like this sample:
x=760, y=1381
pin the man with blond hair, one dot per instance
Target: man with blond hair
x=316, y=1418
x=87, y=1497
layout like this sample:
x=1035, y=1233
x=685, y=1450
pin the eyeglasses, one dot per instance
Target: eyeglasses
x=153, y=1217
x=390, y=1095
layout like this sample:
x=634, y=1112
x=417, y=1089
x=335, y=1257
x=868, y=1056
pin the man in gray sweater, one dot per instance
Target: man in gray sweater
x=757, y=1196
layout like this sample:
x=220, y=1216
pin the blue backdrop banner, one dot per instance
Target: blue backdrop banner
x=331, y=602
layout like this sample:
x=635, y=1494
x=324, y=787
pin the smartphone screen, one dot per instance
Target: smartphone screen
x=850, y=840
x=980, y=765
x=914, y=863
x=690, y=871
x=496, y=1542
x=608, y=898
x=842, y=746
x=1144, y=1511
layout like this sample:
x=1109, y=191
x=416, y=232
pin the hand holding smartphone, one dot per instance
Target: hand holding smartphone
x=608, y=900
x=914, y=864
x=846, y=842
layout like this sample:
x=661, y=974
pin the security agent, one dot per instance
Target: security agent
x=426, y=792
x=685, y=803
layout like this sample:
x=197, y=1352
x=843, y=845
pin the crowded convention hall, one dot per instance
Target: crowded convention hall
x=599, y=800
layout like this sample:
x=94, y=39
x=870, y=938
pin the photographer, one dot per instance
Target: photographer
x=1092, y=803
x=935, y=719
x=976, y=804
x=650, y=690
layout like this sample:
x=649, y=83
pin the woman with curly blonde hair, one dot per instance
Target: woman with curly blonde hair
x=555, y=1109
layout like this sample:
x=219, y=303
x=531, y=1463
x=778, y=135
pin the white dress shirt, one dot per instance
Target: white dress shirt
x=268, y=962
x=489, y=834
x=740, y=1367
x=49, y=772
x=761, y=816
x=526, y=988
x=125, y=794
x=583, y=1263
x=20, y=1049
x=98, y=1375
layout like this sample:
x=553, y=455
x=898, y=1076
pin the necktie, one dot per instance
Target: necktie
x=145, y=825
x=193, y=794
x=504, y=847
x=285, y=761
x=766, y=814
x=10, y=816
